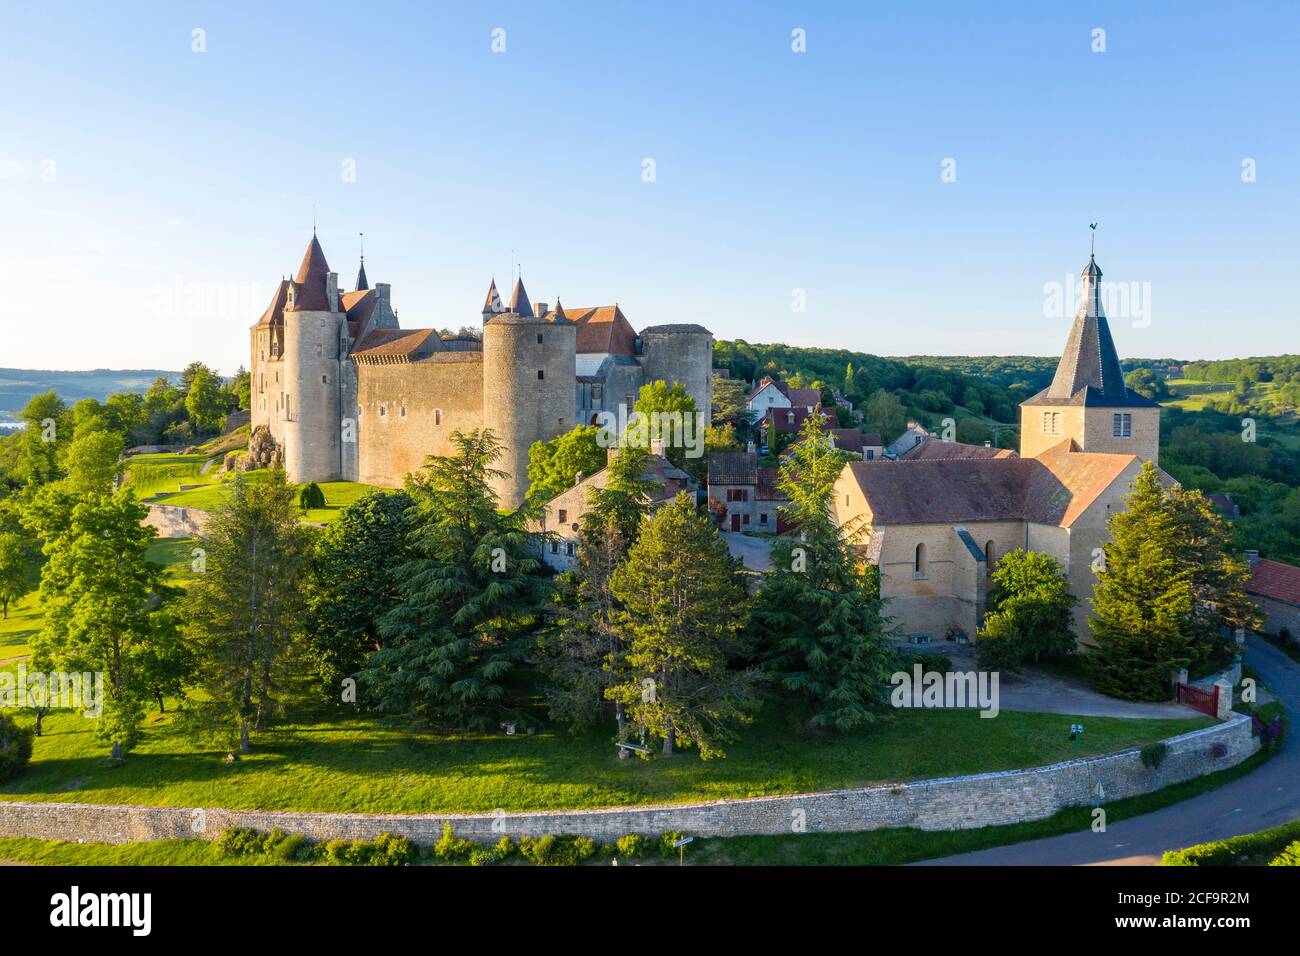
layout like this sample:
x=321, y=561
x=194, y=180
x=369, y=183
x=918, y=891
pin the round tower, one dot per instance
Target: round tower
x=529, y=386
x=312, y=329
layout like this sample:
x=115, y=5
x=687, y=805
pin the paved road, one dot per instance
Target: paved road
x=1267, y=797
x=755, y=552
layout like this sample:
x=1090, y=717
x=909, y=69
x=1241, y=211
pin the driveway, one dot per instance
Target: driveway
x=756, y=553
x=1267, y=797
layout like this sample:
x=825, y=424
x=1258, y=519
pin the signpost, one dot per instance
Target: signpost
x=1076, y=734
x=681, y=849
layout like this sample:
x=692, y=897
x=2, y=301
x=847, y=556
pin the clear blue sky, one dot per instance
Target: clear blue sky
x=183, y=183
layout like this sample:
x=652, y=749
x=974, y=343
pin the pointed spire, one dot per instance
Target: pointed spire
x=310, y=280
x=492, y=304
x=519, y=303
x=557, y=314
x=1089, y=360
x=362, y=282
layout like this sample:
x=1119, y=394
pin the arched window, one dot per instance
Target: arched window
x=437, y=416
x=989, y=558
x=920, y=560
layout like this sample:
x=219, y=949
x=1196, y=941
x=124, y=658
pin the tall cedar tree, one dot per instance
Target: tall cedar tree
x=471, y=598
x=584, y=653
x=1167, y=584
x=243, y=614
x=683, y=597
x=107, y=607
x=817, y=619
x=1030, y=613
x=352, y=582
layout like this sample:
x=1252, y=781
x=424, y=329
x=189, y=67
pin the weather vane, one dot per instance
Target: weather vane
x=1093, y=246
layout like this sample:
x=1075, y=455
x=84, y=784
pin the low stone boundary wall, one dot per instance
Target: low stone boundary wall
x=176, y=521
x=951, y=803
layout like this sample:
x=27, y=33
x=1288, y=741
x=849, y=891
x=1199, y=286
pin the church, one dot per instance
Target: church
x=936, y=520
x=347, y=394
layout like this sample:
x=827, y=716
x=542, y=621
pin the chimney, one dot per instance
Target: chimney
x=988, y=444
x=383, y=291
x=1252, y=558
x=541, y=308
x=332, y=290
x=750, y=449
x=577, y=479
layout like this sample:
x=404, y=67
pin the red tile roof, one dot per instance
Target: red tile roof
x=603, y=329
x=1273, y=579
x=803, y=397
x=932, y=449
x=790, y=419
x=400, y=343
x=274, y=314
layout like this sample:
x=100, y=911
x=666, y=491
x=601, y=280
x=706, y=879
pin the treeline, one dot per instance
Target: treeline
x=1271, y=368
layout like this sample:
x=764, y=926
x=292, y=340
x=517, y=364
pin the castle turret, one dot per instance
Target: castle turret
x=529, y=370
x=681, y=353
x=492, y=304
x=313, y=329
x=1088, y=402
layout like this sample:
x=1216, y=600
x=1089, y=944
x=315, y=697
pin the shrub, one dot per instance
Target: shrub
x=292, y=849
x=241, y=841
x=557, y=851
x=15, y=747
x=632, y=845
x=1290, y=856
x=387, y=849
x=1153, y=755
x=310, y=496
x=451, y=846
x=484, y=857
x=666, y=842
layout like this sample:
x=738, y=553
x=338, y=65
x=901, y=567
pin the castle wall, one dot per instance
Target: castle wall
x=408, y=410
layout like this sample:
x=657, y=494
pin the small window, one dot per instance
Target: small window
x=762, y=518
x=324, y=379
x=402, y=413
x=383, y=411
x=846, y=501
x=564, y=516
x=568, y=549
x=555, y=547
x=595, y=393
x=437, y=416
x=1051, y=423
x=541, y=374
x=1122, y=425
x=920, y=561
x=989, y=558
x=539, y=338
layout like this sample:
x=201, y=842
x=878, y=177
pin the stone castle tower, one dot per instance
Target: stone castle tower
x=529, y=370
x=350, y=395
x=1088, y=402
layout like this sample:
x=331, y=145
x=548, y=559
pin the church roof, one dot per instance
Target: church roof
x=603, y=329
x=362, y=282
x=1089, y=372
x=1054, y=488
x=310, y=281
x=932, y=449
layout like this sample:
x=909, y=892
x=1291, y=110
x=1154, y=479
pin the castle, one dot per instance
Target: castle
x=349, y=395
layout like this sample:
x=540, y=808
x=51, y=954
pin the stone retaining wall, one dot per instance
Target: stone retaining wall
x=175, y=521
x=951, y=803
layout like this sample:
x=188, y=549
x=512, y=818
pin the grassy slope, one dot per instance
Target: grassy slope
x=156, y=474
x=15, y=633
x=351, y=764
x=338, y=495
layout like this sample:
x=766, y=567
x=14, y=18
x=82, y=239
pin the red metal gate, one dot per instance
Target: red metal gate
x=1203, y=700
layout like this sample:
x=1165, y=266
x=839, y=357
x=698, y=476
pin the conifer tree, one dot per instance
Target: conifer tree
x=471, y=598
x=817, y=619
x=243, y=613
x=1167, y=584
x=683, y=622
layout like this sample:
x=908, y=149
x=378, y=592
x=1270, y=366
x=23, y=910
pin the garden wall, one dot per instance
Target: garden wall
x=174, y=521
x=951, y=803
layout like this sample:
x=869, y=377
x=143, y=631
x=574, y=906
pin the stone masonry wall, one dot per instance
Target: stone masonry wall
x=174, y=521
x=951, y=803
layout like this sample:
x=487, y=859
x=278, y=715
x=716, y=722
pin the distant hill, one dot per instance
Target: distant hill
x=18, y=385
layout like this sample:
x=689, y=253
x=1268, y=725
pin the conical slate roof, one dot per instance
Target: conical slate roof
x=492, y=304
x=362, y=282
x=1090, y=360
x=519, y=303
x=310, y=281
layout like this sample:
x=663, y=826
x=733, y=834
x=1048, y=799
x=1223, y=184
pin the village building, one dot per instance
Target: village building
x=1275, y=588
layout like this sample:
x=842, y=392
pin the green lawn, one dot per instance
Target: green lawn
x=338, y=495
x=349, y=763
x=150, y=475
x=15, y=633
